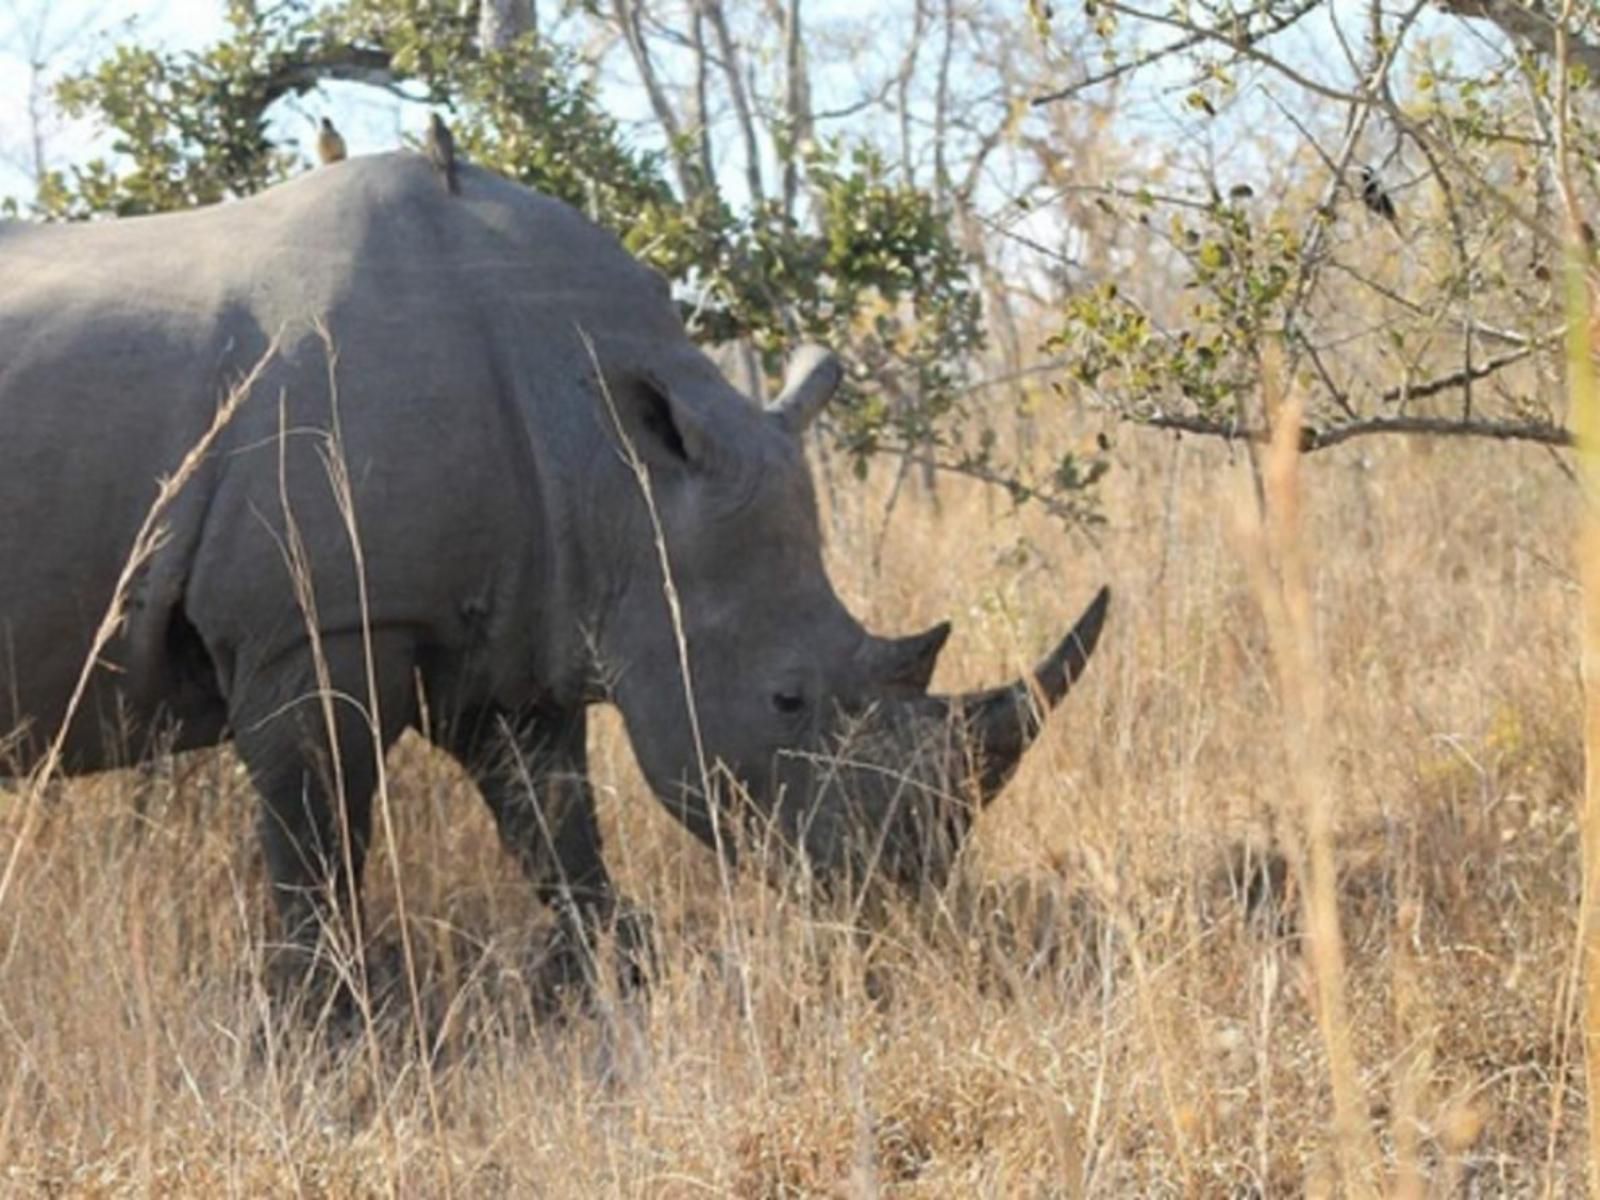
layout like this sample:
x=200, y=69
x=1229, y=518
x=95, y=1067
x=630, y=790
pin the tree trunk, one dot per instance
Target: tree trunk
x=501, y=22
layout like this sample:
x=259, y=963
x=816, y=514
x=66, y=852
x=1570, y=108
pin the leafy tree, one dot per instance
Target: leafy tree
x=851, y=252
x=1400, y=228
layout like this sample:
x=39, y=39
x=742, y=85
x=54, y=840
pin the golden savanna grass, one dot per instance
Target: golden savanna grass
x=1114, y=1019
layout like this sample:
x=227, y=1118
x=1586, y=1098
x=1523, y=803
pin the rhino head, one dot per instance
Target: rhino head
x=893, y=793
x=742, y=676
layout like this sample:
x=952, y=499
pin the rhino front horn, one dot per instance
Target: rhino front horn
x=1002, y=723
x=813, y=376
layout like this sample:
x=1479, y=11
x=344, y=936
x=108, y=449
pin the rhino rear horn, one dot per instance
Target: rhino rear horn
x=813, y=376
x=1002, y=723
x=909, y=662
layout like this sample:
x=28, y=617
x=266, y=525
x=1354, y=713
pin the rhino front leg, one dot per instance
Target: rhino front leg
x=532, y=770
x=533, y=773
x=304, y=726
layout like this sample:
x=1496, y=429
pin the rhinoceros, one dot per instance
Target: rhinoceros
x=482, y=481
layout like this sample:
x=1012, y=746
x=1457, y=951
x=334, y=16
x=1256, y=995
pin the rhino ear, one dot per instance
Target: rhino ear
x=813, y=376
x=661, y=429
x=908, y=662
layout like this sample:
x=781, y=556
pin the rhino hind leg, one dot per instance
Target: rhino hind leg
x=315, y=767
x=532, y=771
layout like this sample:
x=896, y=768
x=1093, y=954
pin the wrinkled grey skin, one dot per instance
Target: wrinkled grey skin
x=511, y=574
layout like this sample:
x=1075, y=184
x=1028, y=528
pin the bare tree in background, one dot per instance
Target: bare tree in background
x=1382, y=207
x=40, y=34
x=501, y=22
x=940, y=85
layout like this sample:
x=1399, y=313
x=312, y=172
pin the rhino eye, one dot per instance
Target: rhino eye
x=788, y=703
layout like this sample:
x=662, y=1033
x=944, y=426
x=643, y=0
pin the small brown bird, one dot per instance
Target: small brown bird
x=441, y=151
x=330, y=143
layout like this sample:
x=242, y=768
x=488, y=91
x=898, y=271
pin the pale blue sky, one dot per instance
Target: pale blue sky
x=74, y=32
x=369, y=119
x=372, y=120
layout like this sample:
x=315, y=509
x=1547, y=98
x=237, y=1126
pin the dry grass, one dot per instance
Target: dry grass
x=1122, y=1026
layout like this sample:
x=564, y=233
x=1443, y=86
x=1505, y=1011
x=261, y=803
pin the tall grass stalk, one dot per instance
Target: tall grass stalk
x=1281, y=575
x=344, y=947
x=1584, y=417
x=338, y=472
x=671, y=596
x=1585, y=408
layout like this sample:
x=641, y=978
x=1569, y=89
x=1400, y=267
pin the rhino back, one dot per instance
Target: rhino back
x=442, y=332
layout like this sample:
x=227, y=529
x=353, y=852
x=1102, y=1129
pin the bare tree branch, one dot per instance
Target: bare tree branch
x=1311, y=439
x=42, y=41
x=985, y=474
x=314, y=65
x=627, y=14
x=1529, y=22
x=941, y=106
x=902, y=83
x=729, y=56
x=702, y=103
x=1235, y=36
x=1314, y=438
x=797, y=103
